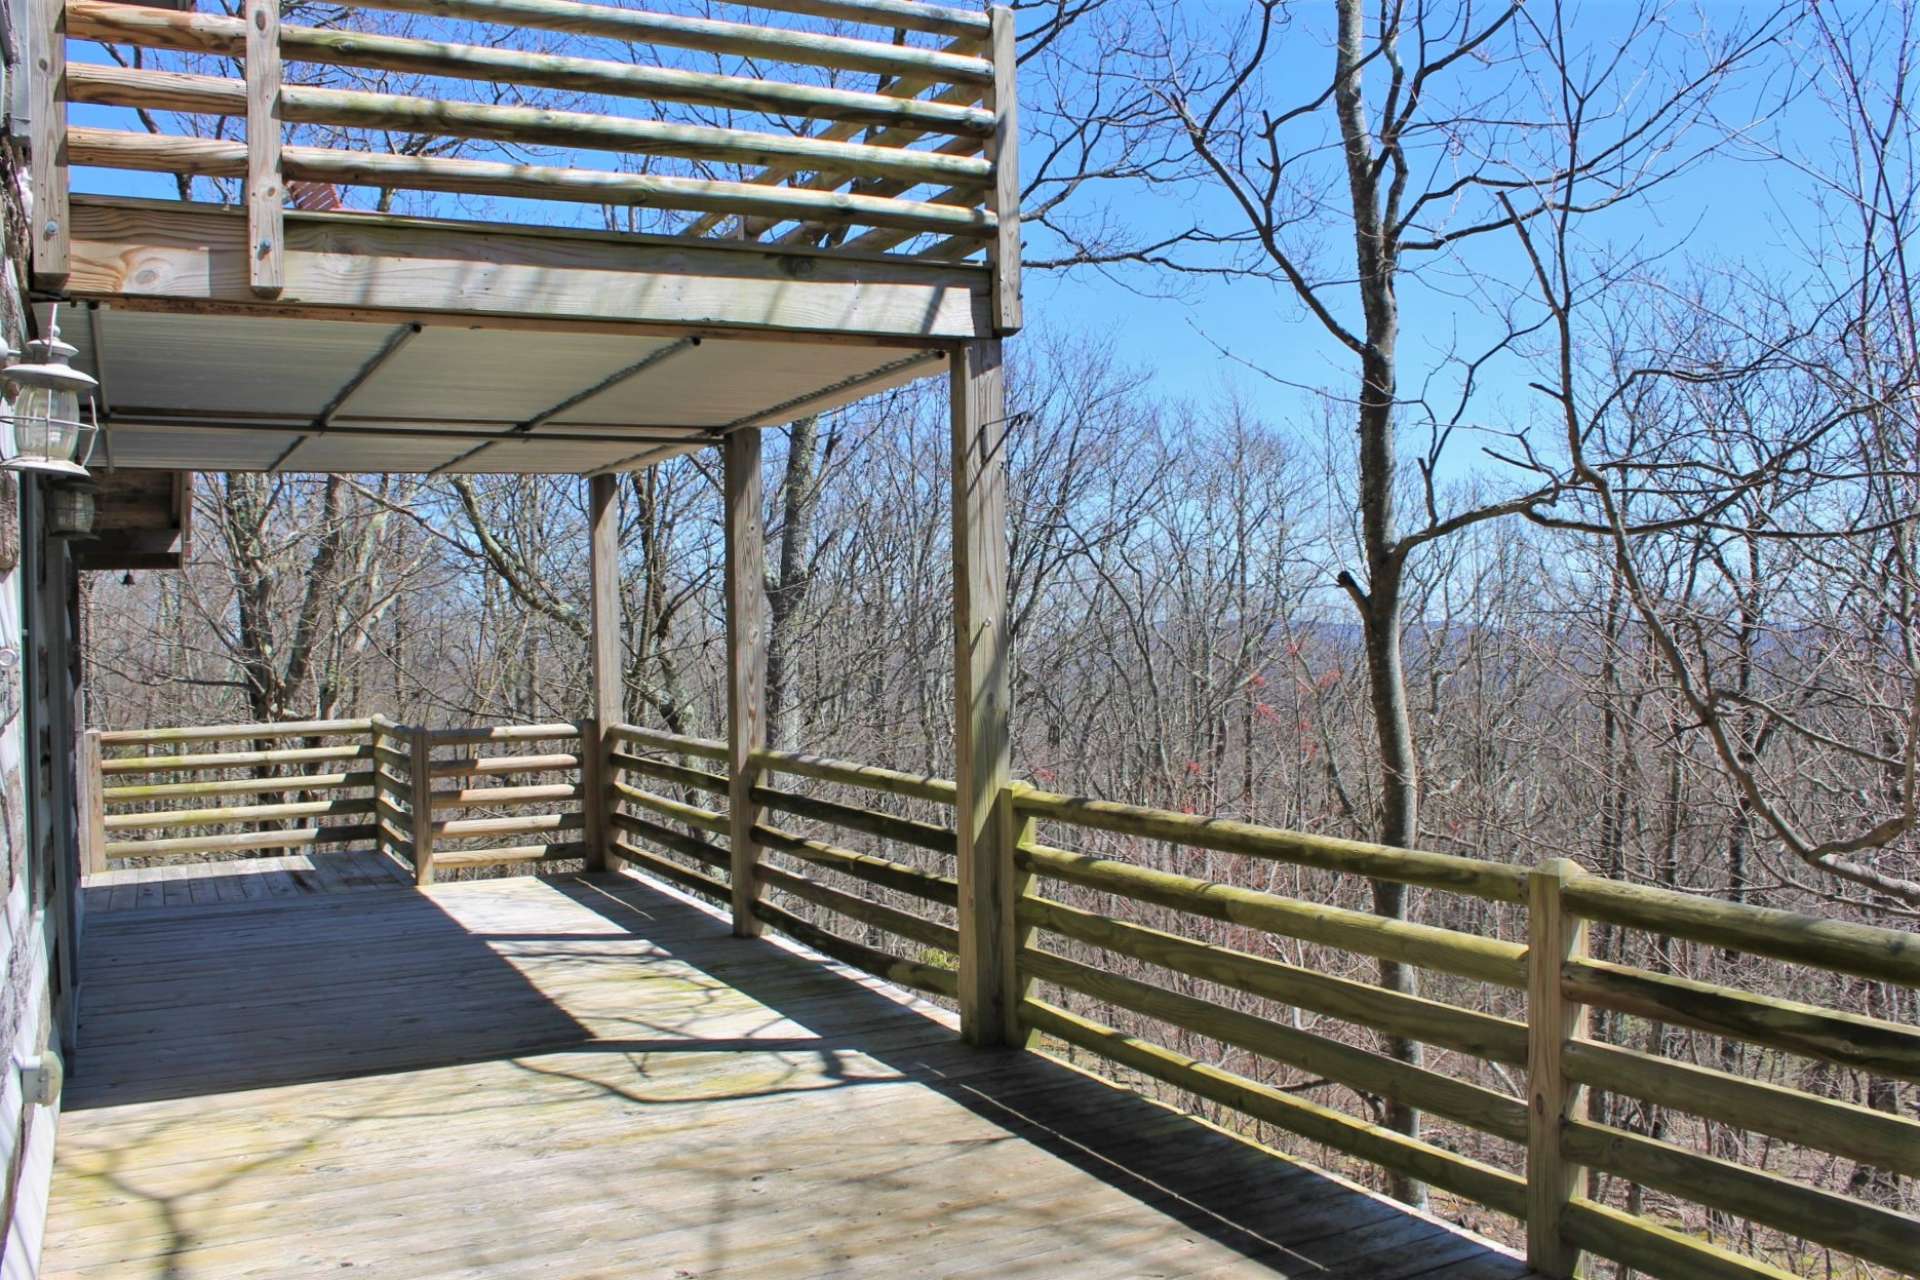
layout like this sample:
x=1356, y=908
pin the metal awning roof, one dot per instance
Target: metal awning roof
x=204, y=391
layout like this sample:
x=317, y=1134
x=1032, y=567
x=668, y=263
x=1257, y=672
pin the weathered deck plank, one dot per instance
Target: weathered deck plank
x=587, y=1077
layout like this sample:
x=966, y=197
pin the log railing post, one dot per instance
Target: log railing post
x=48, y=132
x=420, y=801
x=983, y=746
x=266, y=185
x=746, y=668
x=1003, y=150
x=1554, y=936
x=93, y=805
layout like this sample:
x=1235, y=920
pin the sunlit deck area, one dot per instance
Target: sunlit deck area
x=587, y=1076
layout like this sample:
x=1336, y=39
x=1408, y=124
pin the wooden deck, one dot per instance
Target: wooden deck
x=588, y=1077
x=241, y=880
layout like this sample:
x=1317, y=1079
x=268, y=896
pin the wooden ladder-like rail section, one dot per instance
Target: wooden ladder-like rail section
x=1217, y=970
x=926, y=155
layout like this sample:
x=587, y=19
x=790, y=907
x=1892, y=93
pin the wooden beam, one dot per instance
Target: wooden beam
x=93, y=808
x=983, y=746
x=1555, y=935
x=51, y=236
x=604, y=661
x=189, y=253
x=213, y=157
x=746, y=667
x=1003, y=153
x=420, y=803
x=729, y=39
x=266, y=185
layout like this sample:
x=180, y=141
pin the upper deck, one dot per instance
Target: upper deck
x=594, y=235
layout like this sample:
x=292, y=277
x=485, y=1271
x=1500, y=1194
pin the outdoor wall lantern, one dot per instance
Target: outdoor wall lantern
x=49, y=434
x=70, y=507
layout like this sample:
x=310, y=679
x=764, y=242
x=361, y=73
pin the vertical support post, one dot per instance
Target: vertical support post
x=420, y=775
x=746, y=668
x=266, y=187
x=51, y=255
x=609, y=684
x=380, y=741
x=1554, y=936
x=93, y=805
x=1003, y=152
x=983, y=745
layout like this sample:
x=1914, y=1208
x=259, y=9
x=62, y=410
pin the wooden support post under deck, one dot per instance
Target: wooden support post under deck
x=1554, y=936
x=93, y=806
x=983, y=747
x=746, y=667
x=1003, y=150
x=609, y=686
x=266, y=185
x=52, y=255
x=420, y=773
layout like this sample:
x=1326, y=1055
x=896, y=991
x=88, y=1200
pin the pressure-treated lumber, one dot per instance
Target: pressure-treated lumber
x=1842, y=946
x=1462, y=954
x=733, y=39
x=420, y=774
x=242, y=841
x=1003, y=155
x=886, y=826
x=1497, y=1190
x=905, y=15
x=692, y=815
x=746, y=636
x=115, y=23
x=232, y=759
x=606, y=665
x=51, y=237
x=1879, y=1139
x=1414, y=1017
x=92, y=804
x=236, y=813
x=679, y=841
x=672, y=872
x=1554, y=1100
x=878, y=871
x=482, y=766
x=556, y=731
x=1659, y=1251
x=455, y=828
x=1469, y=1104
x=235, y=732
x=1854, y=1226
x=654, y=740
x=983, y=740
x=455, y=859
x=698, y=779
x=914, y=786
x=908, y=973
x=1852, y=1040
x=506, y=797
x=212, y=157
x=189, y=256
x=904, y=924
x=236, y=787
x=266, y=187
x=1494, y=881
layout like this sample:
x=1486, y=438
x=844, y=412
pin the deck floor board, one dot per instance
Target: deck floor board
x=588, y=1077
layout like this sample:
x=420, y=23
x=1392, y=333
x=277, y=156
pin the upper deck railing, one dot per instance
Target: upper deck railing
x=1591, y=1099
x=864, y=127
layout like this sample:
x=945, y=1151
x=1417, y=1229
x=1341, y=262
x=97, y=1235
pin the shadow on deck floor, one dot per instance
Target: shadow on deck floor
x=590, y=1077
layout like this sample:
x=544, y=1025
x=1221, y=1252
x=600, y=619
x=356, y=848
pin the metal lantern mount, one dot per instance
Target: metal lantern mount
x=49, y=435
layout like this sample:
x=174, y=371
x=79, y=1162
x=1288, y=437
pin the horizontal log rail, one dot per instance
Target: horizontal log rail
x=1517, y=1084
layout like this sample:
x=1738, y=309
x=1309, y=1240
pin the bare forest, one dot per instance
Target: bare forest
x=1530, y=522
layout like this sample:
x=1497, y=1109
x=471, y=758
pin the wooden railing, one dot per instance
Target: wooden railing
x=1502, y=1010
x=437, y=799
x=1225, y=971
x=926, y=155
